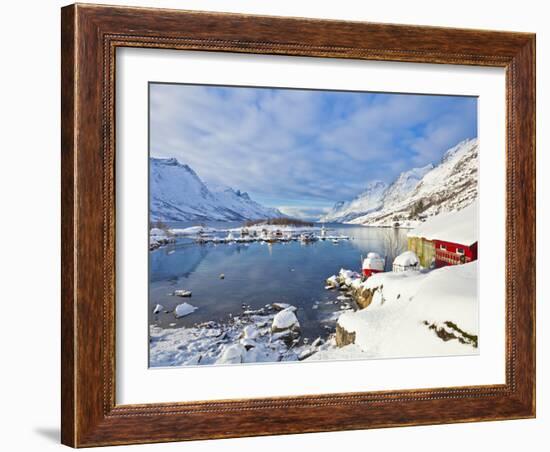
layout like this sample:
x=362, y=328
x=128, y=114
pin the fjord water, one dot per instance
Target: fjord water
x=256, y=274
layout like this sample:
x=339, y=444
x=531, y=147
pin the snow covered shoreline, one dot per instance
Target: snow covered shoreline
x=405, y=314
x=408, y=314
x=409, y=311
x=269, y=334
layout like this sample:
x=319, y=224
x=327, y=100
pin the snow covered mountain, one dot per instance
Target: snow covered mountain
x=178, y=194
x=368, y=201
x=418, y=193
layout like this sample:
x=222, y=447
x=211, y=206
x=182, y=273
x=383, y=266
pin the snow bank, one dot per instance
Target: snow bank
x=410, y=310
x=406, y=259
x=158, y=238
x=456, y=227
x=192, y=230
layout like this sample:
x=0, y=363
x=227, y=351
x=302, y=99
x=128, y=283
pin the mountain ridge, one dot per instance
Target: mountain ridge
x=417, y=193
x=177, y=193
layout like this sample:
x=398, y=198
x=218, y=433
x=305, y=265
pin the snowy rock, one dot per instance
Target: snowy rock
x=306, y=353
x=285, y=320
x=250, y=332
x=332, y=282
x=284, y=335
x=232, y=354
x=346, y=278
x=317, y=342
x=157, y=232
x=282, y=306
x=158, y=308
x=184, y=309
x=182, y=293
x=344, y=337
x=247, y=343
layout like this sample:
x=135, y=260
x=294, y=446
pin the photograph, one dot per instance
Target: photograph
x=290, y=225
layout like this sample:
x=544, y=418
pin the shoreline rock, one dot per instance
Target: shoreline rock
x=350, y=282
x=344, y=337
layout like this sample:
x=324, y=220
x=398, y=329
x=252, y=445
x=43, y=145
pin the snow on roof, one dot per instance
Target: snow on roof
x=406, y=259
x=373, y=261
x=456, y=227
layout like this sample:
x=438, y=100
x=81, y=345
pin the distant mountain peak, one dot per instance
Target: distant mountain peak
x=416, y=193
x=177, y=193
x=362, y=204
x=374, y=184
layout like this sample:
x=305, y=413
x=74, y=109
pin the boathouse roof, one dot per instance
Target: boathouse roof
x=456, y=227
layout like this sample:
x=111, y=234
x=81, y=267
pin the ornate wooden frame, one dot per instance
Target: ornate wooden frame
x=90, y=35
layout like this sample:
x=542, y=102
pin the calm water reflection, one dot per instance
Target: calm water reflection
x=257, y=274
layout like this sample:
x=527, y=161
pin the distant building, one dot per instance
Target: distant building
x=446, y=239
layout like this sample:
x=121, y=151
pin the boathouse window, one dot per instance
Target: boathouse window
x=442, y=247
x=460, y=251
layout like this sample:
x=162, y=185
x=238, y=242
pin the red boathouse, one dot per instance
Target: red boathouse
x=449, y=253
x=448, y=238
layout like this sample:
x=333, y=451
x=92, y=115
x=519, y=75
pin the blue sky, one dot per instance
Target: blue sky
x=303, y=150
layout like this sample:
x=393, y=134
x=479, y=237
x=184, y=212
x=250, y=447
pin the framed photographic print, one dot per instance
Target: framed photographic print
x=281, y=225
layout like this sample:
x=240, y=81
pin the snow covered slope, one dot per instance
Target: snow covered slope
x=368, y=201
x=414, y=313
x=420, y=192
x=178, y=194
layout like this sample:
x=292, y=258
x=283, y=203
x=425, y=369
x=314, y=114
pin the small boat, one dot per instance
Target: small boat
x=182, y=293
x=335, y=241
x=306, y=238
x=372, y=264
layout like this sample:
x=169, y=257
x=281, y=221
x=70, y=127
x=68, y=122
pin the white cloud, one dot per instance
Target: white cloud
x=297, y=144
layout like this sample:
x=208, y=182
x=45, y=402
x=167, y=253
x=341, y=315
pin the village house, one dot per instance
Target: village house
x=446, y=239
